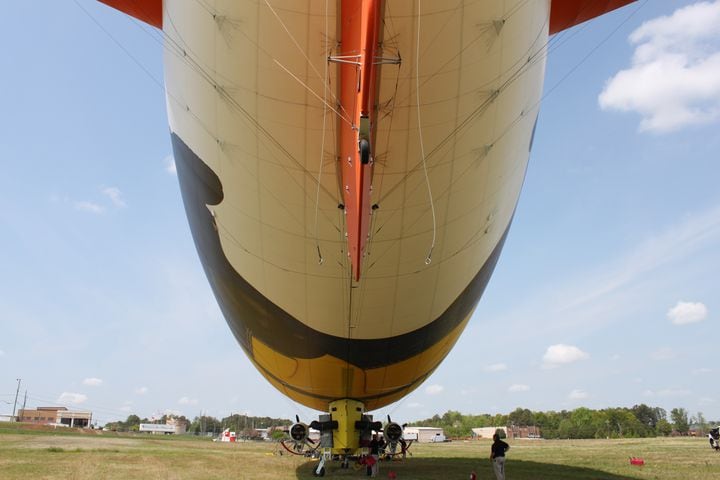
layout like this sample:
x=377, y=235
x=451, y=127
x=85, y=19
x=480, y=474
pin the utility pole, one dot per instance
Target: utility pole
x=16, y=395
x=24, y=403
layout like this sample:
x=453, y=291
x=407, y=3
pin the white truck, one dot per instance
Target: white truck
x=439, y=438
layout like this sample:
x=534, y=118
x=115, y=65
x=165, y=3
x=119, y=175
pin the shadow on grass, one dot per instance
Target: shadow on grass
x=443, y=468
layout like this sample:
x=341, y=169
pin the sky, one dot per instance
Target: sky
x=607, y=293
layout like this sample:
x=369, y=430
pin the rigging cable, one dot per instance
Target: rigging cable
x=541, y=54
x=178, y=50
x=321, y=260
x=575, y=67
x=428, y=259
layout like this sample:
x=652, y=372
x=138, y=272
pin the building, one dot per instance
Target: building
x=487, y=432
x=172, y=425
x=178, y=424
x=55, y=416
x=424, y=434
x=158, y=428
x=512, y=432
x=515, y=432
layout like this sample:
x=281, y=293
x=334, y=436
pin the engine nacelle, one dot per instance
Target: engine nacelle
x=299, y=432
x=392, y=432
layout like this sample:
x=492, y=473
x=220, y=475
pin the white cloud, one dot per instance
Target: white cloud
x=434, y=389
x=518, y=387
x=701, y=371
x=115, y=196
x=615, y=357
x=414, y=405
x=561, y=354
x=578, y=394
x=188, y=401
x=126, y=408
x=706, y=401
x=2, y=353
x=141, y=390
x=692, y=234
x=667, y=392
x=74, y=398
x=665, y=353
x=495, y=367
x=92, y=382
x=687, y=312
x=89, y=207
x=170, y=165
x=674, y=80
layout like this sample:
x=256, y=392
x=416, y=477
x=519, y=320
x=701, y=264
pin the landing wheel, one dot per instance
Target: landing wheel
x=319, y=470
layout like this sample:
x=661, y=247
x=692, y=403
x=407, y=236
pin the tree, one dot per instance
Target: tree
x=638, y=421
x=452, y=423
x=582, y=423
x=132, y=420
x=646, y=415
x=549, y=422
x=205, y=424
x=700, y=423
x=499, y=420
x=663, y=427
x=679, y=417
x=566, y=429
x=660, y=413
x=521, y=417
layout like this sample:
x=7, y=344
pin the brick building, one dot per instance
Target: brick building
x=55, y=416
x=523, y=432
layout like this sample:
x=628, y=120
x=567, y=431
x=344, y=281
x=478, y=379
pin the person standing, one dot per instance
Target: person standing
x=376, y=446
x=497, y=455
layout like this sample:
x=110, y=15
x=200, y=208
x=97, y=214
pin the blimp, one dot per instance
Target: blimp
x=350, y=170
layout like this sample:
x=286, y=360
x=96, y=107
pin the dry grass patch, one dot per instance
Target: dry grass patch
x=45, y=455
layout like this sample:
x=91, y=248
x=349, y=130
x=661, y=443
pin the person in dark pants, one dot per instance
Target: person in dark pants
x=497, y=455
x=376, y=446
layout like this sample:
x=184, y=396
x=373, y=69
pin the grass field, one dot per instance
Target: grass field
x=31, y=454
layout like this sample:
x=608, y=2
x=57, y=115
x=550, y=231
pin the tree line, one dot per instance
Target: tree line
x=244, y=425
x=638, y=421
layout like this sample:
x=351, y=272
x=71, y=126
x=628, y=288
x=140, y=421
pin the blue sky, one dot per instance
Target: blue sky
x=606, y=293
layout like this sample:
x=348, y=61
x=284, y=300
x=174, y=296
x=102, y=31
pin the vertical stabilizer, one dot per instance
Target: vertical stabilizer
x=568, y=13
x=148, y=11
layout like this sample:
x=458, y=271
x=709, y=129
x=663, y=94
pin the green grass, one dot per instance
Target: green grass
x=71, y=455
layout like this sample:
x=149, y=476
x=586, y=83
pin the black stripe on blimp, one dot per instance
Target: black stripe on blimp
x=325, y=398
x=250, y=314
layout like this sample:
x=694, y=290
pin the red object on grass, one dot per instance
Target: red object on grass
x=392, y=475
x=636, y=461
